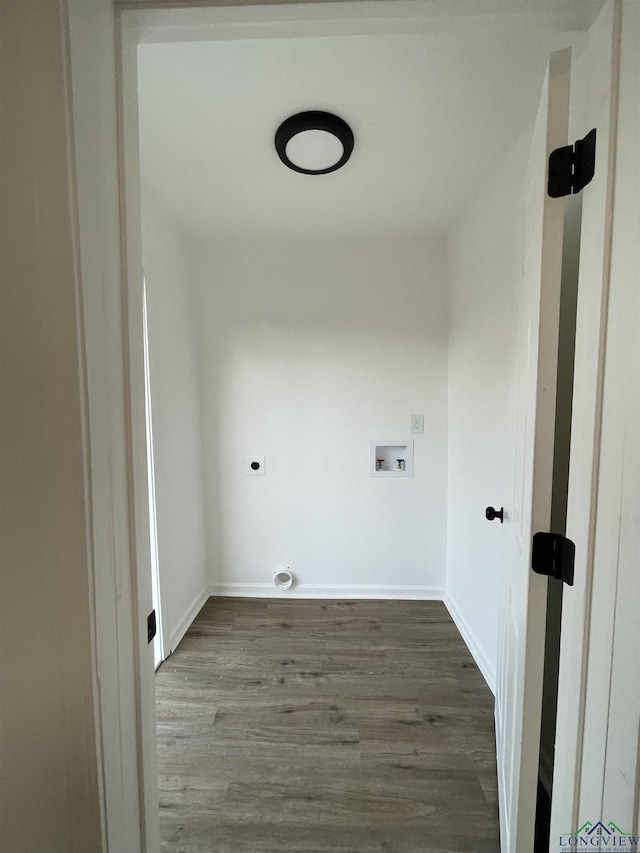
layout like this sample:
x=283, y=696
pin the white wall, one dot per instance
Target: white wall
x=309, y=349
x=481, y=251
x=175, y=404
x=50, y=788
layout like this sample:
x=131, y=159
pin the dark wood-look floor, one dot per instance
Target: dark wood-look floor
x=298, y=726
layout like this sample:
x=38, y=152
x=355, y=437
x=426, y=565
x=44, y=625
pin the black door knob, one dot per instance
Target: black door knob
x=491, y=514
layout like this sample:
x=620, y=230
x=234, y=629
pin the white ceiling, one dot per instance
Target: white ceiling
x=433, y=114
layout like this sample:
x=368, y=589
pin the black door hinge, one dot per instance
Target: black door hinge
x=554, y=555
x=572, y=167
x=151, y=626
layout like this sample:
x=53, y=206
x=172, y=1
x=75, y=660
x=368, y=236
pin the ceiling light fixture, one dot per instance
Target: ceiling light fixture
x=314, y=143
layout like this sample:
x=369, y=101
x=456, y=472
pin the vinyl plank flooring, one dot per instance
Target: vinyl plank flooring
x=300, y=726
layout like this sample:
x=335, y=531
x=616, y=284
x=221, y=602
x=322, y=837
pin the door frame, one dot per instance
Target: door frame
x=103, y=39
x=597, y=768
x=156, y=587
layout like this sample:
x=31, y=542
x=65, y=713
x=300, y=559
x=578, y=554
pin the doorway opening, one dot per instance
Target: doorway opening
x=255, y=325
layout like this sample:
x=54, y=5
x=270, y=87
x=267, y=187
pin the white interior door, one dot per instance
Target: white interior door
x=524, y=594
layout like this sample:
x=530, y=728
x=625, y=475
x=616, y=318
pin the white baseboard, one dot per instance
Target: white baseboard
x=187, y=619
x=486, y=667
x=344, y=591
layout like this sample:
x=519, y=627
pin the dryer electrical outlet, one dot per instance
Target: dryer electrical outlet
x=255, y=466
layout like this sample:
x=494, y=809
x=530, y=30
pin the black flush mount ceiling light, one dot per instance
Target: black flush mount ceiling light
x=314, y=143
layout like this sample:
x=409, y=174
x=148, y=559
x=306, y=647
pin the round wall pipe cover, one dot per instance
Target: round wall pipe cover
x=283, y=579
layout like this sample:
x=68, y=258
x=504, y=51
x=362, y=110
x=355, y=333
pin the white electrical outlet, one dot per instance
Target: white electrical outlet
x=417, y=423
x=255, y=466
